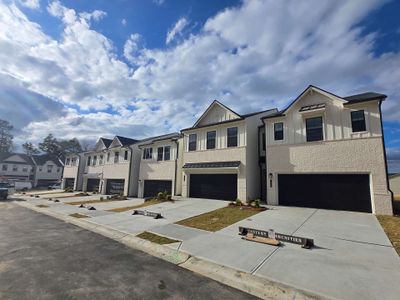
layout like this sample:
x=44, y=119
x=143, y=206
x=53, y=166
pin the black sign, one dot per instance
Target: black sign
x=304, y=242
x=147, y=213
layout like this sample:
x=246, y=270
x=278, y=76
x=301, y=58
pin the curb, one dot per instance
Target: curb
x=256, y=286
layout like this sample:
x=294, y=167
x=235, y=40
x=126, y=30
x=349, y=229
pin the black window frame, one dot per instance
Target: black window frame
x=232, y=140
x=147, y=153
x=360, y=124
x=4, y=167
x=279, y=134
x=89, y=161
x=192, y=145
x=94, y=162
x=108, y=156
x=263, y=142
x=167, y=154
x=314, y=134
x=211, y=140
x=126, y=154
x=160, y=153
x=116, y=157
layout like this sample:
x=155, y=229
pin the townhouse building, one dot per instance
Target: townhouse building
x=326, y=151
x=17, y=167
x=112, y=167
x=48, y=170
x=220, y=155
x=74, y=168
x=161, y=165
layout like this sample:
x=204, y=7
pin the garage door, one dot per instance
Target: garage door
x=153, y=187
x=115, y=186
x=93, y=185
x=340, y=192
x=69, y=183
x=213, y=186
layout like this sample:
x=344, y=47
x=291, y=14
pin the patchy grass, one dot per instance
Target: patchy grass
x=217, y=219
x=127, y=208
x=79, y=216
x=89, y=202
x=397, y=198
x=155, y=238
x=42, y=205
x=391, y=225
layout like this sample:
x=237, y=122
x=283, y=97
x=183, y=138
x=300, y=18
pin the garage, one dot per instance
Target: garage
x=153, y=187
x=349, y=192
x=69, y=183
x=115, y=186
x=92, y=185
x=213, y=186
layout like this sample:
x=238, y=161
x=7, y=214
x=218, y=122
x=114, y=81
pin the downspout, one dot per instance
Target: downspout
x=259, y=160
x=384, y=156
x=176, y=165
x=130, y=171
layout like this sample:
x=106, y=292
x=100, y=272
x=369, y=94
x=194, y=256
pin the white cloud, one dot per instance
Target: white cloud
x=176, y=30
x=132, y=47
x=124, y=22
x=158, y=2
x=33, y=4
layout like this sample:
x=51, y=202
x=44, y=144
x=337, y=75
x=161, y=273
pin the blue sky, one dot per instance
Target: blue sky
x=138, y=68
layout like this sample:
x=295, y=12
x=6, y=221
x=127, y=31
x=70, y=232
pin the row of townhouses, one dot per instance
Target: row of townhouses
x=322, y=151
x=34, y=170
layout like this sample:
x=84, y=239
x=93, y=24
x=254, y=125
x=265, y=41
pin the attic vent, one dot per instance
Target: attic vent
x=312, y=107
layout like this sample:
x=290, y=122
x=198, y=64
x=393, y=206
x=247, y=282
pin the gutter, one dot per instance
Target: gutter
x=384, y=155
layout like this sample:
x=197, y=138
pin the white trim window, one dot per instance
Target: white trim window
x=314, y=129
x=147, y=153
x=192, y=142
x=358, y=121
x=278, y=131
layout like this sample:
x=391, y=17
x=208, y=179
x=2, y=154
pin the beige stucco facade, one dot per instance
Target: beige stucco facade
x=73, y=170
x=394, y=181
x=340, y=152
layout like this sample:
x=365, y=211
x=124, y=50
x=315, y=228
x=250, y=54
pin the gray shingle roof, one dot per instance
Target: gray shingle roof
x=364, y=97
x=5, y=155
x=217, y=164
x=41, y=159
x=126, y=141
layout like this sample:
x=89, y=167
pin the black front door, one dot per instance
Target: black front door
x=115, y=186
x=327, y=191
x=213, y=186
x=153, y=187
x=92, y=185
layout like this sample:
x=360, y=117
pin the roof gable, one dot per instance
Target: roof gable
x=15, y=158
x=102, y=144
x=215, y=113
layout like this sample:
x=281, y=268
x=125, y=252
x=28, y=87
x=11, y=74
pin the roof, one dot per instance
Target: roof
x=106, y=142
x=168, y=136
x=218, y=164
x=364, y=97
x=43, y=158
x=125, y=141
x=5, y=155
x=394, y=175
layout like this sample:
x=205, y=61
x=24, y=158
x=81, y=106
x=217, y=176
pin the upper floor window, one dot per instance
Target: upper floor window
x=101, y=160
x=88, y=160
x=15, y=168
x=5, y=167
x=160, y=151
x=126, y=155
x=232, y=136
x=73, y=162
x=263, y=142
x=49, y=168
x=40, y=169
x=147, y=153
x=314, y=129
x=192, y=142
x=94, y=160
x=25, y=169
x=116, y=157
x=167, y=152
x=358, y=121
x=58, y=170
x=211, y=136
x=278, y=131
x=67, y=162
x=108, y=156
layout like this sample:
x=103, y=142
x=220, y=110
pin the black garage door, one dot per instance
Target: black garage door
x=93, y=185
x=214, y=186
x=153, y=187
x=69, y=183
x=340, y=192
x=115, y=186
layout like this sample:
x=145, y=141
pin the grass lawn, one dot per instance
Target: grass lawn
x=391, y=224
x=217, y=219
x=42, y=206
x=90, y=202
x=156, y=238
x=79, y=216
x=126, y=208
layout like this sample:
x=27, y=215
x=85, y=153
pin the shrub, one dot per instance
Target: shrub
x=160, y=196
x=168, y=198
x=68, y=190
x=238, y=202
x=257, y=203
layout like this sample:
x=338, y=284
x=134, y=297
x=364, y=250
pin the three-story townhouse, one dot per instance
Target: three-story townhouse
x=17, y=167
x=161, y=165
x=220, y=156
x=74, y=167
x=48, y=170
x=326, y=151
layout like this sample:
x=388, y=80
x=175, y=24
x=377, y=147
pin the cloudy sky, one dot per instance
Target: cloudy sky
x=146, y=67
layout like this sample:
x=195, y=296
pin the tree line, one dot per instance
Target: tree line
x=50, y=144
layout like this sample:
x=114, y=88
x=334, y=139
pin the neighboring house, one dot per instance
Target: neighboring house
x=160, y=165
x=48, y=170
x=113, y=167
x=326, y=151
x=394, y=181
x=220, y=156
x=74, y=167
x=17, y=167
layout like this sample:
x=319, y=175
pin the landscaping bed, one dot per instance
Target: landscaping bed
x=42, y=206
x=90, y=201
x=391, y=224
x=155, y=238
x=127, y=208
x=78, y=215
x=218, y=219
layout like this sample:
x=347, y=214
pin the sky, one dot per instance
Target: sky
x=140, y=68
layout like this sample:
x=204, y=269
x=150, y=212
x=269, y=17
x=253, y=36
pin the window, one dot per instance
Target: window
x=94, y=160
x=40, y=169
x=192, y=142
x=116, y=157
x=147, y=153
x=232, y=137
x=263, y=141
x=101, y=160
x=73, y=161
x=160, y=151
x=88, y=160
x=211, y=139
x=108, y=156
x=49, y=168
x=358, y=121
x=67, y=162
x=126, y=155
x=314, y=129
x=5, y=168
x=15, y=168
x=278, y=131
x=58, y=170
x=25, y=169
x=167, y=153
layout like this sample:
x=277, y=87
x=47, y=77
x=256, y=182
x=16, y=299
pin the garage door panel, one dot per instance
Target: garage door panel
x=327, y=191
x=153, y=187
x=69, y=183
x=93, y=185
x=115, y=186
x=213, y=186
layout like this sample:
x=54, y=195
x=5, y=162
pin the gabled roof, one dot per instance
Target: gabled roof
x=106, y=142
x=125, y=141
x=151, y=140
x=394, y=175
x=43, y=158
x=213, y=104
x=346, y=100
x=5, y=155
